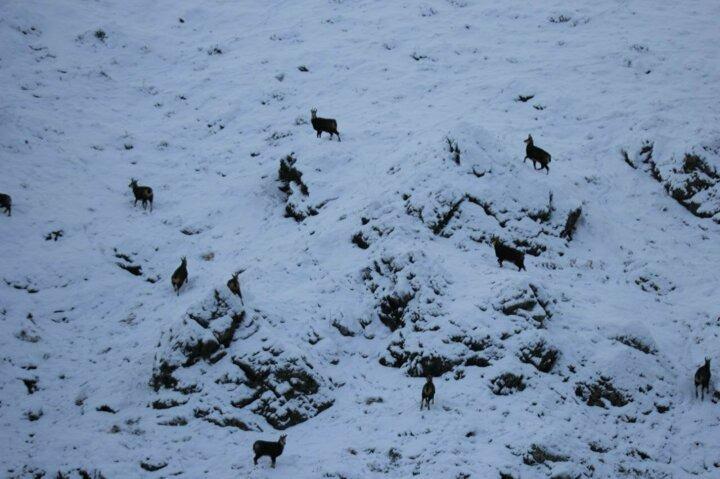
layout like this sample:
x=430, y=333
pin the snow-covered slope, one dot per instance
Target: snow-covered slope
x=375, y=267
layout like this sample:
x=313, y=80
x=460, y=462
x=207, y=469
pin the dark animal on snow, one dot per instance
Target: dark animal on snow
x=6, y=202
x=269, y=448
x=179, y=276
x=506, y=253
x=233, y=285
x=537, y=155
x=142, y=193
x=702, y=379
x=428, y=393
x=328, y=125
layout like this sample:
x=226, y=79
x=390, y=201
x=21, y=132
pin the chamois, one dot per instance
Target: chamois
x=142, y=193
x=328, y=125
x=506, y=253
x=537, y=155
x=269, y=448
x=6, y=202
x=702, y=379
x=428, y=393
x=233, y=285
x=179, y=276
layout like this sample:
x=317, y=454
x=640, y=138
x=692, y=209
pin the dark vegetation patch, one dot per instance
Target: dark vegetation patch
x=167, y=403
x=635, y=343
x=600, y=393
x=358, y=239
x=296, y=190
x=30, y=384
x=560, y=19
x=506, y=384
x=540, y=455
x=454, y=150
x=54, y=235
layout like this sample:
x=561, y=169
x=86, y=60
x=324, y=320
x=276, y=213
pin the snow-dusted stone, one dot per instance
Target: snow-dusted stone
x=235, y=368
x=476, y=191
x=692, y=178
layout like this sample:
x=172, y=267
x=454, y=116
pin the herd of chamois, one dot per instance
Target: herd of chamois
x=537, y=155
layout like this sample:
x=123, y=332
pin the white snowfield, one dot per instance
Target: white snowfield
x=581, y=366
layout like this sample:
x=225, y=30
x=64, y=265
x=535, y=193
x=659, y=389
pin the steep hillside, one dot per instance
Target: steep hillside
x=364, y=264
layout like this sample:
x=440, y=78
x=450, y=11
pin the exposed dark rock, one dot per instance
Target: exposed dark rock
x=692, y=181
x=151, y=466
x=571, y=223
x=268, y=380
x=540, y=355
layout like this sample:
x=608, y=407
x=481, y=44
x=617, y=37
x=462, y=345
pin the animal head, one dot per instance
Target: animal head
x=429, y=378
x=495, y=240
x=235, y=276
x=707, y=361
x=183, y=260
x=313, y=112
x=283, y=439
x=133, y=183
x=529, y=140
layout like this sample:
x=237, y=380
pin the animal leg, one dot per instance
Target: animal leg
x=255, y=460
x=319, y=133
x=273, y=462
x=500, y=262
x=338, y=135
x=135, y=204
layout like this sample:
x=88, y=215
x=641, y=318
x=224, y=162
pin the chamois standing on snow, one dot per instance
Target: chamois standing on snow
x=269, y=448
x=328, y=125
x=506, y=253
x=233, y=285
x=537, y=155
x=6, y=202
x=428, y=393
x=702, y=379
x=142, y=193
x=179, y=276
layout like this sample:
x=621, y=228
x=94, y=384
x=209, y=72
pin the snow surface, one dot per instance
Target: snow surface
x=203, y=110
